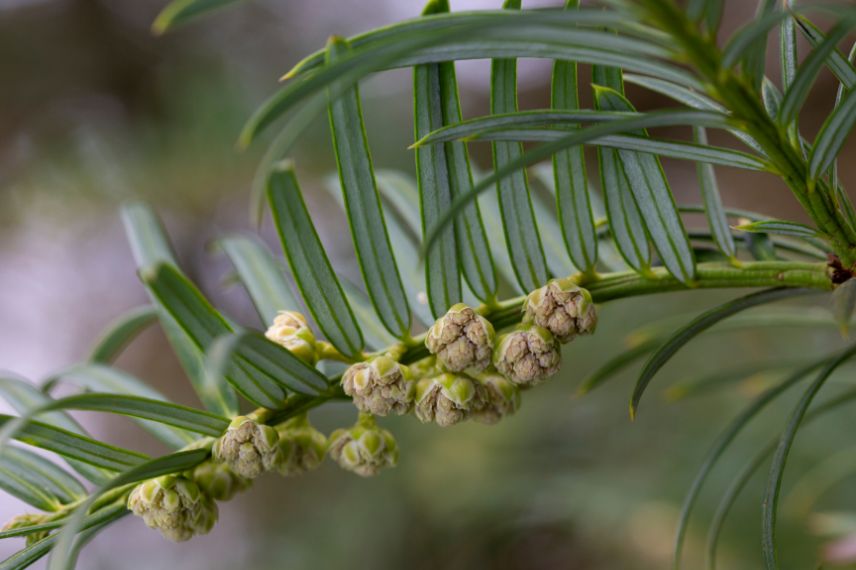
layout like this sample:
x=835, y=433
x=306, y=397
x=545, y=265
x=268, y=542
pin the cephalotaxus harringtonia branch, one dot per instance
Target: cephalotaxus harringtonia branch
x=469, y=373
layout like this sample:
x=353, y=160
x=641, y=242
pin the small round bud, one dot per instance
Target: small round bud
x=365, y=448
x=302, y=447
x=380, y=386
x=248, y=447
x=499, y=398
x=461, y=339
x=446, y=399
x=527, y=355
x=175, y=506
x=218, y=480
x=562, y=308
x=290, y=330
x=25, y=520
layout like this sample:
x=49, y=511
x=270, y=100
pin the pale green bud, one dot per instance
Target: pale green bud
x=527, y=355
x=290, y=330
x=248, y=447
x=175, y=506
x=562, y=308
x=461, y=339
x=446, y=399
x=365, y=448
x=302, y=447
x=25, y=520
x=499, y=398
x=380, y=386
x=218, y=480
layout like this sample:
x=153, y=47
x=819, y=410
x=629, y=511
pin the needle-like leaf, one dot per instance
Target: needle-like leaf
x=770, y=503
x=122, y=332
x=199, y=321
x=362, y=202
x=685, y=334
x=654, y=198
x=261, y=275
x=569, y=173
x=100, y=378
x=309, y=264
x=832, y=136
x=179, y=12
x=518, y=218
x=150, y=247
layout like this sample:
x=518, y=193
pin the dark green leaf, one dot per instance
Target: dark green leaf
x=844, y=203
x=257, y=387
x=569, y=172
x=151, y=247
x=721, y=445
x=781, y=227
x=752, y=39
x=179, y=12
x=556, y=254
x=309, y=264
x=616, y=364
x=518, y=218
x=649, y=120
x=400, y=197
x=832, y=136
x=713, y=209
x=201, y=324
x=700, y=324
x=276, y=366
x=23, y=397
x=362, y=202
x=261, y=275
x=438, y=20
x=481, y=127
x=745, y=475
x=780, y=458
x=448, y=37
x=100, y=378
x=121, y=332
x=70, y=445
x=434, y=179
x=689, y=98
x=30, y=471
x=654, y=199
x=625, y=219
x=843, y=303
x=838, y=64
x=798, y=92
x=666, y=148
x=436, y=100
x=158, y=411
x=788, y=47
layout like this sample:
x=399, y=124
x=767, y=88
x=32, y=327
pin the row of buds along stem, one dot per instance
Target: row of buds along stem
x=184, y=505
x=472, y=374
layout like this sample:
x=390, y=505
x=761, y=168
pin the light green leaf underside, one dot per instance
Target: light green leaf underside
x=261, y=275
x=121, y=332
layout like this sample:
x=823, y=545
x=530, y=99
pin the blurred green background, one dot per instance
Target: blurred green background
x=95, y=110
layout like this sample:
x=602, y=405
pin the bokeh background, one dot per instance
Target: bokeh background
x=95, y=111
